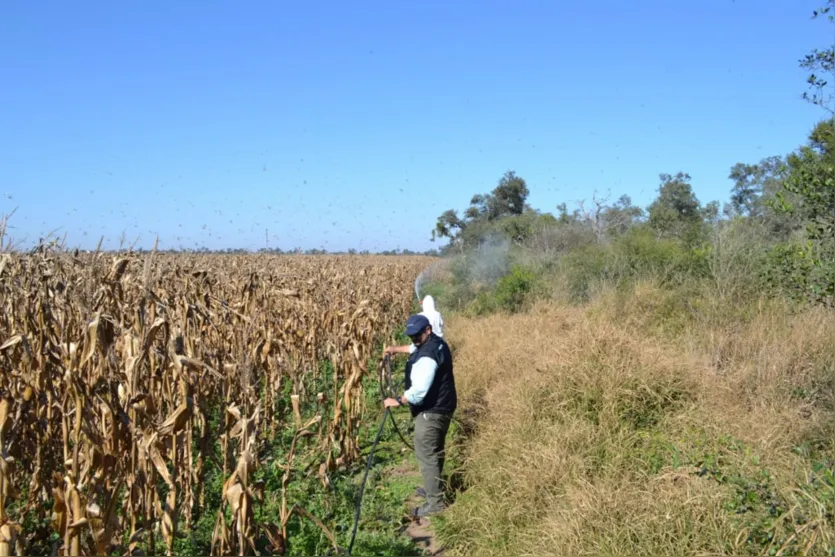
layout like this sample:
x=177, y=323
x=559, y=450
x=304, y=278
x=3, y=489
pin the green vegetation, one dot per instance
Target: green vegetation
x=777, y=232
x=668, y=372
x=777, y=236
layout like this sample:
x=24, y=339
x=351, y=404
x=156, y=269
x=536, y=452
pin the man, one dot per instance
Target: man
x=432, y=399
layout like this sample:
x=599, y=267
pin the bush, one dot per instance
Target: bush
x=635, y=256
x=736, y=258
x=483, y=304
x=642, y=254
x=512, y=293
x=582, y=267
x=804, y=271
x=514, y=290
x=501, y=277
x=554, y=240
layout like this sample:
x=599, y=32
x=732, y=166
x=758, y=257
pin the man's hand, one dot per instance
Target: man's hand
x=390, y=402
x=392, y=350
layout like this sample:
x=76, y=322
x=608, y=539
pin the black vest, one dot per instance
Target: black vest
x=441, y=397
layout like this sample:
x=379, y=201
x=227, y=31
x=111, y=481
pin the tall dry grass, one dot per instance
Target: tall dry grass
x=647, y=422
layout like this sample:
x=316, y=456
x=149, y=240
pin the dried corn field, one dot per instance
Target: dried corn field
x=125, y=378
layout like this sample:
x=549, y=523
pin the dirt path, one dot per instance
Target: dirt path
x=421, y=531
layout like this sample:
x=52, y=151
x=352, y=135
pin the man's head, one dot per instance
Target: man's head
x=418, y=329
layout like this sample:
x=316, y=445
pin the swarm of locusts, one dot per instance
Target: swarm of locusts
x=124, y=376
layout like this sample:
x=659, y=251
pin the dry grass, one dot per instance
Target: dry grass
x=645, y=424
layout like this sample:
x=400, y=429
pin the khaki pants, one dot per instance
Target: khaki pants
x=430, y=434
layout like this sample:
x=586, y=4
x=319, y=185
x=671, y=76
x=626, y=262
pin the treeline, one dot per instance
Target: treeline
x=315, y=251
x=241, y=251
x=775, y=234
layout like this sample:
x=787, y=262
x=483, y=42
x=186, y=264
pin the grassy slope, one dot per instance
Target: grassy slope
x=645, y=423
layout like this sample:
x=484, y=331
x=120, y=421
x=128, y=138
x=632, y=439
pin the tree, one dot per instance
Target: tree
x=808, y=268
x=710, y=212
x=821, y=65
x=606, y=220
x=507, y=199
x=621, y=216
x=676, y=213
x=565, y=217
x=754, y=183
x=448, y=225
x=756, y=187
x=478, y=207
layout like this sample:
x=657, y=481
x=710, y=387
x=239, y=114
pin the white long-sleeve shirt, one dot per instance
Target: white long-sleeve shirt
x=423, y=373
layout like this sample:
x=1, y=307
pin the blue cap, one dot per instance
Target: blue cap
x=416, y=324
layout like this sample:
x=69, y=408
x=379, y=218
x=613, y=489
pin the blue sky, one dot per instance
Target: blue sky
x=355, y=124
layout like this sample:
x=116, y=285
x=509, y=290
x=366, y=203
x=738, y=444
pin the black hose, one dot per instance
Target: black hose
x=364, y=478
x=397, y=429
x=387, y=391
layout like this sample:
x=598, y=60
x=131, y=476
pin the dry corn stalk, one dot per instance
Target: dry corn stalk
x=111, y=368
x=8, y=529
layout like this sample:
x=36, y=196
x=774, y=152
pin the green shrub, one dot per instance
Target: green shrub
x=581, y=267
x=514, y=290
x=643, y=255
x=512, y=293
x=483, y=304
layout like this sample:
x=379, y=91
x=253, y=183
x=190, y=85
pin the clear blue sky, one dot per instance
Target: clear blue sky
x=355, y=124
